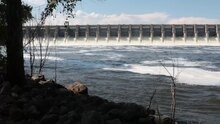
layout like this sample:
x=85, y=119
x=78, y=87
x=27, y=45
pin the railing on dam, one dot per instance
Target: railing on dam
x=128, y=34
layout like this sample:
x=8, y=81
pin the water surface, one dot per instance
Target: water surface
x=132, y=73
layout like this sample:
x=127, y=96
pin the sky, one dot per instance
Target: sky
x=136, y=12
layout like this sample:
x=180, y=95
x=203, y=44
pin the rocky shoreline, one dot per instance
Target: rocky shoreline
x=45, y=102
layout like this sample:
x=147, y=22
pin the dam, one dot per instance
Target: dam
x=152, y=34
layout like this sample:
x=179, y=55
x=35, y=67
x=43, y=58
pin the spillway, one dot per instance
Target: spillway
x=159, y=34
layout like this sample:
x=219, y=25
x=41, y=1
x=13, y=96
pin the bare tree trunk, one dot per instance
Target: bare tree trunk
x=43, y=56
x=15, y=61
x=32, y=56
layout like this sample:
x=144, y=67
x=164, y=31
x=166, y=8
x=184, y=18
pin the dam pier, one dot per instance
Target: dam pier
x=158, y=34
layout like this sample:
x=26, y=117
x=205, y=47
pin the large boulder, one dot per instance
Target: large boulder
x=38, y=77
x=46, y=82
x=78, y=88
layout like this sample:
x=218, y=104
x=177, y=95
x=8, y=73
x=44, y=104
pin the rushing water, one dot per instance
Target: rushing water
x=132, y=73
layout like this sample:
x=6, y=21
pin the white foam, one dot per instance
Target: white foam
x=186, y=75
x=27, y=56
x=83, y=51
x=60, y=52
x=192, y=76
x=177, y=61
x=89, y=54
x=81, y=42
x=113, y=56
x=180, y=62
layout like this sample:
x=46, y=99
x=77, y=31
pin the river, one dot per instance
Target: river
x=132, y=73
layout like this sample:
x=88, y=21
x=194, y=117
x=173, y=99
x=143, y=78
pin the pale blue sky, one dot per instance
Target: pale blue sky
x=176, y=8
x=142, y=11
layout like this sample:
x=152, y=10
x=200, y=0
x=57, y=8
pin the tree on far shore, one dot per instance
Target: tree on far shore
x=14, y=43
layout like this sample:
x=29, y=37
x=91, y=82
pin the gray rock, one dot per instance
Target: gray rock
x=23, y=99
x=46, y=82
x=181, y=122
x=49, y=119
x=16, y=89
x=69, y=118
x=38, y=77
x=115, y=113
x=62, y=119
x=133, y=111
x=92, y=117
x=147, y=120
x=30, y=121
x=33, y=112
x=54, y=110
x=167, y=120
x=69, y=121
x=21, y=122
x=16, y=113
x=151, y=112
x=62, y=90
x=2, y=121
x=73, y=114
x=14, y=94
x=114, y=121
x=34, y=92
x=78, y=88
x=128, y=112
x=63, y=110
x=162, y=119
x=5, y=88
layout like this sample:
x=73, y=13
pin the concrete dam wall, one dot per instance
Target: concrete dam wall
x=158, y=34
